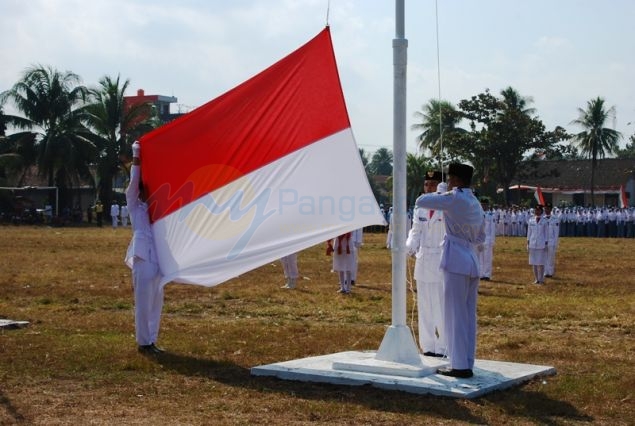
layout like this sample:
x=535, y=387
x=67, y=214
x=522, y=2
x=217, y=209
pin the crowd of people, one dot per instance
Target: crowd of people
x=601, y=222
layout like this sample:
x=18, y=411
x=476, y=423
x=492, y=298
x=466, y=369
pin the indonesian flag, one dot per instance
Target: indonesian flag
x=265, y=170
x=539, y=197
x=623, y=198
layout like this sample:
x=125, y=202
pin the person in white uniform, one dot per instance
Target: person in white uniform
x=290, y=268
x=464, y=229
x=486, y=250
x=358, y=241
x=141, y=257
x=343, y=251
x=114, y=214
x=424, y=241
x=537, y=241
x=553, y=235
x=124, y=215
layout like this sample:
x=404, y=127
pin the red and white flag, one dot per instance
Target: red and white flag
x=539, y=197
x=623, y=198
x=265, y=170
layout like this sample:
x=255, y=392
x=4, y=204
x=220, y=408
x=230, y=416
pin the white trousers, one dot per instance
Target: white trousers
x=115, y=221
x=460, y=294
x=124, y=220
x=485, y=258
x=550, y=264
x=290, y=266
x=432, y=335
x=355, y=263
x=148, y=295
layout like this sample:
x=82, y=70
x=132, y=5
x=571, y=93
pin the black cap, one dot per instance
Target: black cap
x=484, y=200
x=434, y=175
x=462, y=171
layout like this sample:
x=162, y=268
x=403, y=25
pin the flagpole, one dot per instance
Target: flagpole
x=398, y=344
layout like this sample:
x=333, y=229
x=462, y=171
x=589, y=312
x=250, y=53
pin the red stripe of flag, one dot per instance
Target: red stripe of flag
x=623, y=198
x=539, y=197
x=265, y=118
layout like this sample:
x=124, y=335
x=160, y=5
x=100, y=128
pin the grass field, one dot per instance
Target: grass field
x=77, y=363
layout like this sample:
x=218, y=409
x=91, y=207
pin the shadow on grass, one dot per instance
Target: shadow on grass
x=537, y=407
x=515, y=402
x=11, y=411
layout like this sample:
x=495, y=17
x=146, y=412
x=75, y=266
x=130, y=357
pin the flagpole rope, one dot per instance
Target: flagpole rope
x=410, y=279
x=412, y=287
x=436, y=13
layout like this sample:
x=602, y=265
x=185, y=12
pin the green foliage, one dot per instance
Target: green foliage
x=629, y=149
x=416, y=168
x=381, y=162
x=439, y=122
x=115, y=126
x=502, y=131
x=596, y=140
x=50, y=102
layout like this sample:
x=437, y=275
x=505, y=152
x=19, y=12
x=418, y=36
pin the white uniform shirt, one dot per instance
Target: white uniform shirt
x=537, y=237
x=553, y=230
x=142, y=244
x=464, y=228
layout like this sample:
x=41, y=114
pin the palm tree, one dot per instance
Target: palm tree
x=438, y=121
x=596, y=140
x=416, y=168
x=115, y=126
x=17, y=151
x=513, y=100
x=50, y=102
x=381, y=162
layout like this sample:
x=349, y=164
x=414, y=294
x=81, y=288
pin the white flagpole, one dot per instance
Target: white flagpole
x=398, y=344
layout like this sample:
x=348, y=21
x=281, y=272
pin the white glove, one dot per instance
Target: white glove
x=415, y=215
x=442, y=187
x=136, y=149
x=412, y=242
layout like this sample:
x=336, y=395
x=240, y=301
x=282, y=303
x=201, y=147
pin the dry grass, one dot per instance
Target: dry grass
x=76, y=363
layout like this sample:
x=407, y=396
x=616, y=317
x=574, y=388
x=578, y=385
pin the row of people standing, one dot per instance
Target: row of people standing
x=601, y=222
x=119, y=213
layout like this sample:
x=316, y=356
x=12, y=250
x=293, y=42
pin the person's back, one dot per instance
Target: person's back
x=464, y=229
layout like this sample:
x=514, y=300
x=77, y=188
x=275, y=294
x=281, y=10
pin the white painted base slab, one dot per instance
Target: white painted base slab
x=7, y=323
x=366, y=362
x=488, y=375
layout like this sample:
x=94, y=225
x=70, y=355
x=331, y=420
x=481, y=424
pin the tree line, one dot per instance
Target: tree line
x=72, y=133
x=498, y=134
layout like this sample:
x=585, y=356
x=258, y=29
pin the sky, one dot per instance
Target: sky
x=559, y=53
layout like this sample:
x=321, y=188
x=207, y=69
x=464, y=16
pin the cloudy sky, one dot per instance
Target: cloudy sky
x=561, y=53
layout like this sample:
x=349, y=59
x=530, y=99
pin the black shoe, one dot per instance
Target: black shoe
x=433, y=354
x=352, y=282
x=548, y=276
x=150, y=349
x=455, y=372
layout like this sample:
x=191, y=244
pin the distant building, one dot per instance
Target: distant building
x=160, y=102
x=569, y=181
